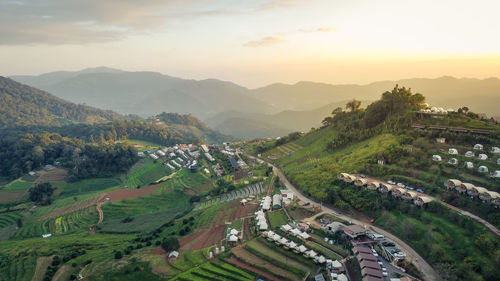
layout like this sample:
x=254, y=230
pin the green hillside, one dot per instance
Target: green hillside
x=354, y=140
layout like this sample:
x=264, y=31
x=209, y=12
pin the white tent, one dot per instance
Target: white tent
x=453, y=161
x=234, y=232
x=263, y=226
x=469, y=154
x=276, y=237
x=311, y=254
x=482, y=169
x=283, y=241
x=453, y=151
x=286, y=227
x=482, y=156
x=301, y=249
x=233, y=238
x=469, y=165
x=478, y=146
x=292, y=245
x=436, y=158
x=495, y=150
x=496, y=174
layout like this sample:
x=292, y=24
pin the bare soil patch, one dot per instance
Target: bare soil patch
x=11, y=196
x=41, y=267
x=56, y=174
x=248, y=267
x=126, y=193
x=202, y=238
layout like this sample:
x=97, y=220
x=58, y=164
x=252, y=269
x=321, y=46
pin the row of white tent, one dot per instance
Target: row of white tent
x=260, y=218
x=469, y=154
x=295, y=232
x=266, y=203
x=298, y=249
x=469, y=164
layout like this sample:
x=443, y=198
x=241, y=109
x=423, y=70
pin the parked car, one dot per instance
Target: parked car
x=307, y=204
x=362, y=175
x=390, y=182
x=388, y=244
x=381, y=263
x=409, y=187
x=384, y=273
x=401, y=185
x=420, y=191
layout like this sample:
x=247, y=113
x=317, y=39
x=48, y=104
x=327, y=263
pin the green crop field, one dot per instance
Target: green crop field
x=86, y=186
x=185, y=179
x=145, y=172
x=215, y=271
x=147, y=213
x=18, y=185
x=81, y=219
x=277, y=218
x=11, y=218
x=20, y=270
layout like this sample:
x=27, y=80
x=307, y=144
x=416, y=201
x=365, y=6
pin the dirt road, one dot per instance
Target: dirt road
x=428, y=273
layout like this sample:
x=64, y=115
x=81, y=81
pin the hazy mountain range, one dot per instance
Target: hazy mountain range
x=248, y=113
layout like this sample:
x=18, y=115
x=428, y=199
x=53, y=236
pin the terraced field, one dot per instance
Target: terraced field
x=215, y=271
x=7, y=219
x=80, y=219
x=145, y=172
x=184, y=180
x=253, y=189
x=35, y=229
x=18, y=185
x=86, y=186
x=22, y=270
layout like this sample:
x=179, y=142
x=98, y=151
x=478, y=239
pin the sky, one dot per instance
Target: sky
x=256, y=42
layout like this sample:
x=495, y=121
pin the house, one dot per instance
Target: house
x=422, y=200
x=234, y=164
x=346, y=177
x=360, y=182
x=286, y=195
x=452, y=183
x=338, y=277
x=436, y=158
x=410, y=195
x=488, y=196
x=373, y=185
x=209, y=157
x=385, y=187
x=276, y=201
x=399, y=192
x=204, y=148
x=173, y=255
x=469, y=154
x=482, y=169
x=361, y=249
x=366, y=257
x=334, y=227
x=478, y=146
x=469, y=165
x=283, y=241
x=310, y=254
x=369, y=264
x=320, y=259
x=453, y=161
x=232, y=240
x=440, y=140
x=233, y=231
x=380, y=161
x=354, y=230
x=482, y=156
x=464, y=187
x=476, y=190
x=371, y=272
x=453, y=151
x=495, y=150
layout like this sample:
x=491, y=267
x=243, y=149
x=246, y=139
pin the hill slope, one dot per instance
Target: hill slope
x=24, y=105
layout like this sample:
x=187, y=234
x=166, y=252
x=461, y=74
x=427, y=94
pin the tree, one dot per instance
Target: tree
x=118, y=255
x=170, y=244
x=41, y=193
x=353, y=105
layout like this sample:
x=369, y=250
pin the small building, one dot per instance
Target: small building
x=482, y=156
x=160, y=153
x=234, y=164
x=140, y=154
x=469, y=165
x=385, y=187
x=482, y=169
x=286, y=228
x=334, y=227
x=489, y=196
x=173, y=255
x=453, y=161
x=476, y=190
x=436, y=158
x=422, y=200
x=354, y=230
x=410, y=195
x=154, y=156
x=47, y=235
x=361, y=249
x=366, y=257
x=276, y=201
x=286, y=194
x=469, y=154
x=453, y=151
x=373, y=185
x=478, y=146
x=399, y=192
x=32, y=173
x=232, y=240
x=204, y=147
x=465, y=187
x=440, y=140
x=360, y=181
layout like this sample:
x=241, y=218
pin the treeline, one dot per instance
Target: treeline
x=83, y=159
x=392, y=112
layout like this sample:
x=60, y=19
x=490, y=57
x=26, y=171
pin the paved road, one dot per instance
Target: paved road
x=428, y=273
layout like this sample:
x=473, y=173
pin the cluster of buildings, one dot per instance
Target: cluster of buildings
x=371, y=270
x=232, y=236
x=418, y=198
x=471, y=154
x=470, y=189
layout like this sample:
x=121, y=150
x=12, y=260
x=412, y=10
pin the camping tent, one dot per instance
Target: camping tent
x=482, y=156
x=482, y=169
x=436, y=158
x=453, y=151
x=478, y=147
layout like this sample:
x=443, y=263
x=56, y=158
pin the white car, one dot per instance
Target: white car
x=401, y=185
x=381, y=263
x=384, y=269
x=385, y=274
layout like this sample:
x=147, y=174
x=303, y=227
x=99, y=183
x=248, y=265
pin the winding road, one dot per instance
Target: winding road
x=428, y=273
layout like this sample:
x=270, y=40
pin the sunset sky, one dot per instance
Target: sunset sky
x=255, y=42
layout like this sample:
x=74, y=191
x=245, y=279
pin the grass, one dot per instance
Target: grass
x=18, y=185
x=277, y=218
x=132, y=272
x=215, y=271
x=184, y=179
x=20, y=270
x=86, y=186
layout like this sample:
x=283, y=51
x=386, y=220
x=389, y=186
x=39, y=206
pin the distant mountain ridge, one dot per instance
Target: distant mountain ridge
x=271, y=107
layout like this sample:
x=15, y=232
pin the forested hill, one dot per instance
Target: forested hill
x=21, y=105
x=190, y=125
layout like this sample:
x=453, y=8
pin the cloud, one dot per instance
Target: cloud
x=88, y=21
x=326, y=29
x=265, y=42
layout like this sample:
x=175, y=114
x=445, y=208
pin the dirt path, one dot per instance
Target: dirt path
x=261, y=273
x=101, y=214
x=41, y=267
x=428, y=273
